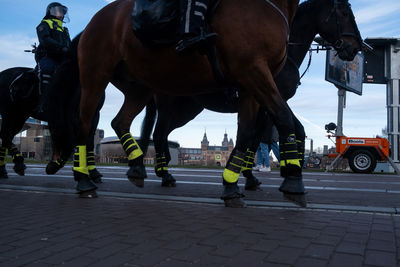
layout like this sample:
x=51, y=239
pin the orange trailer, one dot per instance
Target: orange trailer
x=362, y=152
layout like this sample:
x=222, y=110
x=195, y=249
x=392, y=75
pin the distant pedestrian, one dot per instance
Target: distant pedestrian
x=269, y=141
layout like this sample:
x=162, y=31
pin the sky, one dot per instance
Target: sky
x=315, y=102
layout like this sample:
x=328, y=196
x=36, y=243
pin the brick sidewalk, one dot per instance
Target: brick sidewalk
x=48, y=229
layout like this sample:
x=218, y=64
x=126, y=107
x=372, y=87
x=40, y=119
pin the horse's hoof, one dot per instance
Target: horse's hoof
x=95, y=176
x=298, y=199
x=168, y=181
x=139, y=182
x=88, y=194
x=232, y=196
x=235, y=203
x=52, y=168
x=3, y=172
x=293, y=185
x=252, y=184
x=84, y=183
x=136, y=171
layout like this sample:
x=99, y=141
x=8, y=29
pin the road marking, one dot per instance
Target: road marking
x=215, y=201
x=321, y=188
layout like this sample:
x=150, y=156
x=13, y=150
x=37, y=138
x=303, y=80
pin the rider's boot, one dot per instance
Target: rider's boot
x=192, y=29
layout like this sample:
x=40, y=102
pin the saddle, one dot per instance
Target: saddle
x=156, y=25
x=23, y=87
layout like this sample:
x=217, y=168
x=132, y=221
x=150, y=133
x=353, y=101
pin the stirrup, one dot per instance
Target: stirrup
x=200, y=42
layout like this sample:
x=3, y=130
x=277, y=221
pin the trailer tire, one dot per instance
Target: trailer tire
x=362, y=161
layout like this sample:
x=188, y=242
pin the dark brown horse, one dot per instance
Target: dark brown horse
x=328, y=18
x=251, y=49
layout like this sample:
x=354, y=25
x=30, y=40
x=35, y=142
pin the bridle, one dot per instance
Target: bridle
x=339, y=43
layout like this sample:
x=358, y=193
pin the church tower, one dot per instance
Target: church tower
x=204, y=142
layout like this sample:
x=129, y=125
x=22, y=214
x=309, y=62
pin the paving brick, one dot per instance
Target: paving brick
x=192, y=254
x=351, y=248
x=327, y=239
x=380, y=258
x=309, y=262
x=382, y=245
x=284, y=255
x=229, y=249
x=319, y=251
x=379, y=235
x=341, y=260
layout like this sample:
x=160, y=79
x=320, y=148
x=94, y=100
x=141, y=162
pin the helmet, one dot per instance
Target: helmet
x=57, y=10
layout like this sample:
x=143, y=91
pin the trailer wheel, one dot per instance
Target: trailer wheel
x=362, y=161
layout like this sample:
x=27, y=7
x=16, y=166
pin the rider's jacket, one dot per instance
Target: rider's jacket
x=54, y=39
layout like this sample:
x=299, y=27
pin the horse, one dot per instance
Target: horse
x=312, y=17
x=251, y=50
x=19, y=99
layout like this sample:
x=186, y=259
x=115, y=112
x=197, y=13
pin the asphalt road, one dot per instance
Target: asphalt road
x=332, y=191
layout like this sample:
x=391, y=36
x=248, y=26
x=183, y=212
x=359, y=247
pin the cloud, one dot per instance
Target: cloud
x=377, y=11
x=12, y=51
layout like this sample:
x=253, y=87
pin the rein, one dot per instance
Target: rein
x=282, y=14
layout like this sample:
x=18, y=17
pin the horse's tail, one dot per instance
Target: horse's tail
x=147, y=125
x=64, y=103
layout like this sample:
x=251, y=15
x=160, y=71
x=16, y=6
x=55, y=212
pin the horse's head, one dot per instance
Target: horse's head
x=339, y=28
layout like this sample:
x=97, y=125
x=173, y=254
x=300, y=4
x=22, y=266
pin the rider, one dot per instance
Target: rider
x=54, y=46
x=193, y=13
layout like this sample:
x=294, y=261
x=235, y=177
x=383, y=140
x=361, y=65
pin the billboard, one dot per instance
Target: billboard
x=345, y=74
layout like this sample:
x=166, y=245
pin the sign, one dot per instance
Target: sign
x=345, y=74
x=218, y=157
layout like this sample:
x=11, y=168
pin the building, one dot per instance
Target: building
x=207, y=155
x=111, y=151
x=34, y=140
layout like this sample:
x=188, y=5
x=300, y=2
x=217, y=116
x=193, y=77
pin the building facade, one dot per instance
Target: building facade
x=207, y=155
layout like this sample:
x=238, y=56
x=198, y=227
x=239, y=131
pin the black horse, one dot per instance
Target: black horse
x=330, y=18
x=19, y=100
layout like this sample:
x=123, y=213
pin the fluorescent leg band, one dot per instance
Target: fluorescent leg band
x=3, y=154
x=60, y=162
x=90, y=161
x=14, y=152
x=233, y=167
x=130, y=146
x=288, y=151
x=80, y=160
x=248, y=161
x=296, y=162
x=161, y=162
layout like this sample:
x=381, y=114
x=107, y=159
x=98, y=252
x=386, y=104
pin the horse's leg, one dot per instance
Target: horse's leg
x=247, y=119
x=10, y=127
x=301, y=137
x=260, y=81
x=263, y=123
x=91, y=95
x=135, y=101
x=3, y=152
x=94, y=174
x=173, y=112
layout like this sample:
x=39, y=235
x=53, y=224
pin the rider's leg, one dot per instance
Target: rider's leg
x=46, y=69
x=192, y=23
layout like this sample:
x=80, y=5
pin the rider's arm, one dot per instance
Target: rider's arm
x=45, y=39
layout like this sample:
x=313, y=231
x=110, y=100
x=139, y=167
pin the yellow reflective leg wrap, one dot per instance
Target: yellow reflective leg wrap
x=130, y=146
x=161, y=162
x=288, y=151
x=290, y=161
x=233, y=167
x=14, y=152
x=80, y=164
x=90, y=161
x=248, y=161
x=3, y=154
